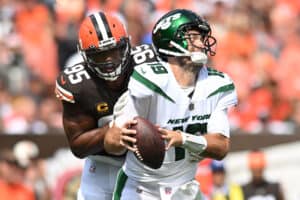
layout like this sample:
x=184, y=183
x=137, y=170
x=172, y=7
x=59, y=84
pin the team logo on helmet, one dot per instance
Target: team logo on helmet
x=171, y=35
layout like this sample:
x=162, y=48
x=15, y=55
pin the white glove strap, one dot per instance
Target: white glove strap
x=193, y=143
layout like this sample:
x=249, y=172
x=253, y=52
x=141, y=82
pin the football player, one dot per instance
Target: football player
x=188, y=101
x=88, y=92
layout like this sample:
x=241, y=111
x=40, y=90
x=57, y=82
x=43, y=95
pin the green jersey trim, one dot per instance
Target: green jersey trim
x=224, y=88
x=120, y=184
x=149, y=84
x=214, y=72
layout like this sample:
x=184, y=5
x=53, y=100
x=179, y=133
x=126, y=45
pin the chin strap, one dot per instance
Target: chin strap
x=194, y=143
x=199, y=57
x=196, y=57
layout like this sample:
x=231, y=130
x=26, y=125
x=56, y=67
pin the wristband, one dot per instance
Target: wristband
x=193, y=143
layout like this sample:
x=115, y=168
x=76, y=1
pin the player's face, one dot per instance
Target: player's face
x=195, y=41
x=106, y=61
x=105, y=56
x=257, y=174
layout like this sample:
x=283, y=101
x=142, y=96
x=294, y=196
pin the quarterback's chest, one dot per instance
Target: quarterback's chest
x=180, y=115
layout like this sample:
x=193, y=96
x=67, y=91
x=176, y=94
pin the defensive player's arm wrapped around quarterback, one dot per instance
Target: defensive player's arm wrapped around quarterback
x=84, y=136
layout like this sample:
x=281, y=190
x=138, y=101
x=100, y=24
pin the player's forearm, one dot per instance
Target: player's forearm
x=217, y=146
x=88, y=143
x=211, y=145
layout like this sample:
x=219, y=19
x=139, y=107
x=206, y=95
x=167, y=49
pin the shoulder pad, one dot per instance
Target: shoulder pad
x=149, y=77
x=218, y=78
x=155, y=72
x=220, y=86
x=213, y=73
x=143, y=54
x=65, y=87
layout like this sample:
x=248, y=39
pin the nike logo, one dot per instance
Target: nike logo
x=62, y=80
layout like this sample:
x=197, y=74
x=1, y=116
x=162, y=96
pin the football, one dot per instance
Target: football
x=150, y=145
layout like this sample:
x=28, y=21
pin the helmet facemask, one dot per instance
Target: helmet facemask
x=112, y=68
x=184, y=39
x=208, y=42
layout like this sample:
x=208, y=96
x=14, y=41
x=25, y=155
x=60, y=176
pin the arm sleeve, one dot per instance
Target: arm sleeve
x=219, y=123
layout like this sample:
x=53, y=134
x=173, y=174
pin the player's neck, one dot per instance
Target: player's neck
x=116, y=84
x=184, y=77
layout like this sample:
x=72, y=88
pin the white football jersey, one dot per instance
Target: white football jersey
x=159, y=98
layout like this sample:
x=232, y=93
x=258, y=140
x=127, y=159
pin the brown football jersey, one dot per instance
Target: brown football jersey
x=77, y=86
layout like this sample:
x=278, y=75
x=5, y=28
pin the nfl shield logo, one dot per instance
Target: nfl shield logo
x=168, y=190
x=92, y=169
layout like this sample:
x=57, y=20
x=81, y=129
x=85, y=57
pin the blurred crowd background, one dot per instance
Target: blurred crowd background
x=258, y=45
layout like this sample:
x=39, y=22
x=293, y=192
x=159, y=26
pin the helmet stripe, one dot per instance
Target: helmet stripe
x=101, y=26
x=104, y=20
x=95, y=23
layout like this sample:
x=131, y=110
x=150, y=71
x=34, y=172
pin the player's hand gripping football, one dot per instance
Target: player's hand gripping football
x=127, y=138
x=112, y=140
x=173, y=138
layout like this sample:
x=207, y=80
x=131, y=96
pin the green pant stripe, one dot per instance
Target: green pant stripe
x=120, y=183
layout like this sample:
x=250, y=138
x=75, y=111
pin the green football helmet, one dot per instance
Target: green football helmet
x=170, y=36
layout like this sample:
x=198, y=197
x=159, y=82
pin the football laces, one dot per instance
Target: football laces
x=137, y=152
